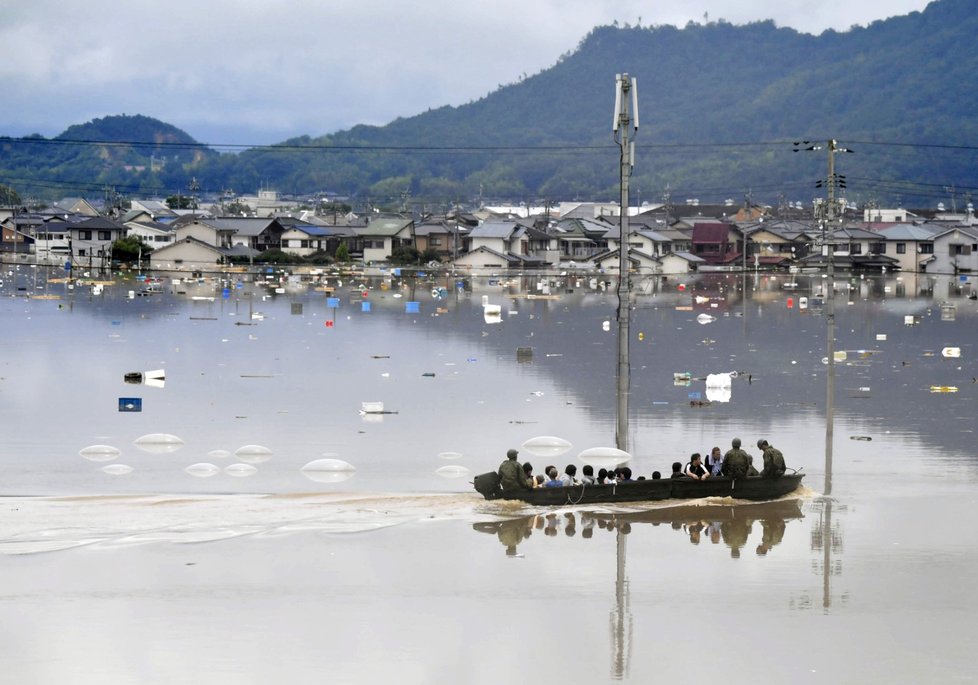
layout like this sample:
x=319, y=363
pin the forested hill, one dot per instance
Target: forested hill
x=719, y=106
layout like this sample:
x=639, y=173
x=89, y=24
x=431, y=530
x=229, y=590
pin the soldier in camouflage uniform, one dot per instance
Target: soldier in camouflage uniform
x=773, y=460
x=511, y=474
x=735, y=461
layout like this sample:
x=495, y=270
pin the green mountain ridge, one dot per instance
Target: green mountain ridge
x=720, y=106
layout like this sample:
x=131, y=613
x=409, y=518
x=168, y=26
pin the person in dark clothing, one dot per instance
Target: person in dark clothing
x=511, y=474
x=677, y=470
x=735, y=462
x=695, y=469
x=773, y=460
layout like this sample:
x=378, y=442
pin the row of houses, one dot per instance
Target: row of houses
x=582, y=235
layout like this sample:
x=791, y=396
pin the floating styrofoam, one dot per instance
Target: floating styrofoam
x=253, y=454
x=158, y=443
x=117, y=469
x=452, y=471
x=604, y=457
x=240, y=470
x=100, y=453
x=203, y=470
x=328, y=470
x=450, y=455
x=546, y=446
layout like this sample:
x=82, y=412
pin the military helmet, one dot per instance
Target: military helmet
x=761, y=443
x=736, y=442
x=512, y=454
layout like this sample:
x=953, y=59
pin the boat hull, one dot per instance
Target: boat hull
x=753, y=488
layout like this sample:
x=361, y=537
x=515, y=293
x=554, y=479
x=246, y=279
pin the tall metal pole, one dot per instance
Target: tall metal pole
x=829, y=248
x=626, y=90
x=626, y=117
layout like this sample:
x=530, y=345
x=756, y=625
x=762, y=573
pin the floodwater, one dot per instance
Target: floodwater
x=254, y=570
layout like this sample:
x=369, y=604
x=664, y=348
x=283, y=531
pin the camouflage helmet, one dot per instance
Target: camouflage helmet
x=736, y=442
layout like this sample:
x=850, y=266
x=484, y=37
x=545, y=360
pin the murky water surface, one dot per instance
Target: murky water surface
x=248, y=568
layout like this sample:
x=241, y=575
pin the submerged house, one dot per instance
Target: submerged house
x=716, y=243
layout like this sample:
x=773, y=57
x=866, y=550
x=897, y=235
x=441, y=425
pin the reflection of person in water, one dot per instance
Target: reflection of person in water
x=735, y=533
x=772, y=531
x=511, y=533
x=695, y=531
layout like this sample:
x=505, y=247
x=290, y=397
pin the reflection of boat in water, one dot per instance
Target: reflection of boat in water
x=752, y=488
x=731, y=524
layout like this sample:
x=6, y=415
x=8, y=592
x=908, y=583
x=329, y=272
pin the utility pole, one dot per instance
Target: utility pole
x=193, y=187
x=626, y=93
x=827, y=218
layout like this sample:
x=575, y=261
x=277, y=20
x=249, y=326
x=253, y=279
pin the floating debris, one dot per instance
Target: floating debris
x=546, y=446
x=130, y=404
x=860, y=437
x=158, y=443
x=452, y=471
x=951, y=352
x=253, y=454
x=704, y=319
x=329, y=470
x=219, y=454
x=100, y=453
x=203, y=470
x=240, y=470
x=604, y=457
x=117, y=469
x=943, y=388
x=450, y=455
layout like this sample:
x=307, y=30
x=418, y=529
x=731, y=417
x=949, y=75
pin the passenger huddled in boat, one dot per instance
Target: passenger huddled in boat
x=553, y=478
x=570, y=476
x=528, y=470
x=587, y=475
x=677, y=470
x=774, y=466
x=714, y=462
x=656, y=475
x=624, y=474
x=511, y=474
x=735, y=462
x=695, y=469
x=602, y=476
x=751, y=471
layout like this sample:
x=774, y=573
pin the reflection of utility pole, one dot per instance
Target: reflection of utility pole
x=625, y=118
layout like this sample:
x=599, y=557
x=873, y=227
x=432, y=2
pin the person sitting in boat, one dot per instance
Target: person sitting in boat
x=773, y=460
x=553, y=478
x=602, y=476
x=751, y=471
x=570, y=476
x=587, y=475
x=735, y=461
x=695, y=469
x=625, y=475
x=511, y=475
x=528, y=470
x=677, y=470
x=714, y=462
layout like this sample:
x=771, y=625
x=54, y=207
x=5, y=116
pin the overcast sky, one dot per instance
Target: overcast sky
x=260, y=71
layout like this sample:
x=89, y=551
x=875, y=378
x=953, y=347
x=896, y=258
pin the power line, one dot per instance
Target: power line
x=563, y=147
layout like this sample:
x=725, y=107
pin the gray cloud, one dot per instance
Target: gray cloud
x=243, y=71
